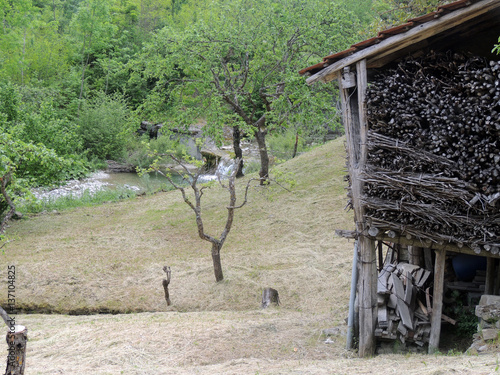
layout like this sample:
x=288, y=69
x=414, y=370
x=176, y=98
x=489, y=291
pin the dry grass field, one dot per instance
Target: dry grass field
x=109, y=259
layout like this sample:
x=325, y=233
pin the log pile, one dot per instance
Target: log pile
x=433, y=168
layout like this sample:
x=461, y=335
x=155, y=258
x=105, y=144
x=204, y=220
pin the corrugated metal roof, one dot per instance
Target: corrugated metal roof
x=385, y=34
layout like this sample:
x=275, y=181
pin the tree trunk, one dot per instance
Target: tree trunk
x=165, y=284
x=264, y=157
x=16, y=359
x=238, y=152
x=296, y=145
x=216, y=260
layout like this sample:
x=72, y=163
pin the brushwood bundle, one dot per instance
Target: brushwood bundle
x=433, y=167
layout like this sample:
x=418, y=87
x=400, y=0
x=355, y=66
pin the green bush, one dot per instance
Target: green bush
x=104, y=128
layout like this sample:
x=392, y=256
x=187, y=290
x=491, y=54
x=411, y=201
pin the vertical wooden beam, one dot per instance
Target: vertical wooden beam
x=437, y=301
x=368, y=305
x=380, y=255
x=362, y=81
x=353, y=111
x=496, y=290
x=490, y=276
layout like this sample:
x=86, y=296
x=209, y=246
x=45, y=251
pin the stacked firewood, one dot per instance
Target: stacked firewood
x=433, y=168
x=404, y=307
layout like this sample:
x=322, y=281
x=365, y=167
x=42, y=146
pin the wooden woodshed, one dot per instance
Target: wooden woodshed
x=421, y=111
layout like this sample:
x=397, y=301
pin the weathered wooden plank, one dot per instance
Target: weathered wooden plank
x=403, y=309
x=382, y=283
x=437, y=305
x=392, y=302
x=423, y=279
x=409, y=293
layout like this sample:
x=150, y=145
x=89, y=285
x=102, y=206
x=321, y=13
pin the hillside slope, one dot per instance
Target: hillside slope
x=110, y=257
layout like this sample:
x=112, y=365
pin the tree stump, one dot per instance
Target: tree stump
x=270, y=295
x=165, y=283
x=16, y=360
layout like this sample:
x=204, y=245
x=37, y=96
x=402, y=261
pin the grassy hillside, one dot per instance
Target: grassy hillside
x=110, y=258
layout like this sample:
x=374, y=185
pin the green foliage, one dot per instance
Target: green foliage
x=466, y=319
x=142, y=152
x=9, y=101
x=22, y=165
x=41, y=125
x=104, y=128
x=28, y=121
x=496, y=48
x=282, y=145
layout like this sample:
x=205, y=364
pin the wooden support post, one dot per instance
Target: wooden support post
x=380, y=255
x=368, y=303
x=354, y=115
x=437, y=301
x=496, y=290
x=490, y=276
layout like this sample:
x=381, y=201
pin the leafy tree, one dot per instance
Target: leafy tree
x=92, y=30
x=237, y=66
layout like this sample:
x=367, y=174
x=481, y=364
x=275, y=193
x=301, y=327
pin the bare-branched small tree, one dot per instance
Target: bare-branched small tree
x=193, y=179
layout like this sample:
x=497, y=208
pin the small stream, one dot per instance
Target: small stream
x=108, y=180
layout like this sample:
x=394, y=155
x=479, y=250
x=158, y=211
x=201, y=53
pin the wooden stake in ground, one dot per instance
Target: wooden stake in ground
x=165, y=284
x=270, y=295
x=17, y=337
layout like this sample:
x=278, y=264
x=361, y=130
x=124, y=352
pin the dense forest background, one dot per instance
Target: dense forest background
x=77, y=77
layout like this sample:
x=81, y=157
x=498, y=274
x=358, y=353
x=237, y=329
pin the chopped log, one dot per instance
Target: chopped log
x=16, y=360
x=165, y=284
x=270, y=295
x=17, y=337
